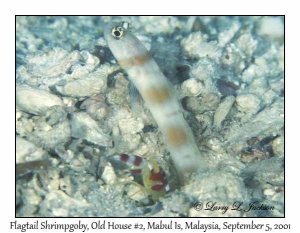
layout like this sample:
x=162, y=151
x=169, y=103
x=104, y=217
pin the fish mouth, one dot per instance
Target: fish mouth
x=105, y=27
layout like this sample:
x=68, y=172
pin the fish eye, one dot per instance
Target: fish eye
x=126, y=25
x=117, y=32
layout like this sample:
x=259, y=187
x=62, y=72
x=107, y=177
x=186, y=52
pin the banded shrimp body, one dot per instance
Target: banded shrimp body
x=149, y=177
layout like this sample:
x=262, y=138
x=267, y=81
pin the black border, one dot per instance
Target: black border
x=153, y=217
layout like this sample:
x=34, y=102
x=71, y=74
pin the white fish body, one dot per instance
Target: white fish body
x=159, y=96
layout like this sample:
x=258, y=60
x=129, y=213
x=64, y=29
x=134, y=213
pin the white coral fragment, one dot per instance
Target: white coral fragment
x=271, y=27
x=223, y=109
x=84, y=127
x=247, y=103
x=35, y=101
x=191, y=87
x=53, y=63
x=196, y=45
x=24, y=149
